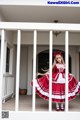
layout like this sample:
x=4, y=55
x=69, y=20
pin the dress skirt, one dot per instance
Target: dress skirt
x=58, y=86
x=58, y=89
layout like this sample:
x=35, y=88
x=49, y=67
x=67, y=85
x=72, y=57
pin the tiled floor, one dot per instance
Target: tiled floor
x=25, y=104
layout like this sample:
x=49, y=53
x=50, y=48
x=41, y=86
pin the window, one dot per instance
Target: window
x=7, y=59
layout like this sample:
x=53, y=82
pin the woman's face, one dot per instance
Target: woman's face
x=58, y=58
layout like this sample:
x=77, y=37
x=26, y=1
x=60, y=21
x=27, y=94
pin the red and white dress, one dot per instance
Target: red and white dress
x=58, y=85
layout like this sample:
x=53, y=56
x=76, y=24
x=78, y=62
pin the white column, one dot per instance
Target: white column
x=50, y=70
x=2, y=68
x=18, y=69
x=66, y=69
x=34, y=69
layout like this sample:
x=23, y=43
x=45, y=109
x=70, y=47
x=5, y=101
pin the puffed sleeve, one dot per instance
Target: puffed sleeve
x=54, y=69
x=55, y=74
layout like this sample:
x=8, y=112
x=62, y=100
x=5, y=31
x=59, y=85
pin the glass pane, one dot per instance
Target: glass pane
x=7, y=59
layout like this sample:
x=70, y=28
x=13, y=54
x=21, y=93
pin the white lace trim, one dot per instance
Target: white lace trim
x=60, y=66
x=57, y=96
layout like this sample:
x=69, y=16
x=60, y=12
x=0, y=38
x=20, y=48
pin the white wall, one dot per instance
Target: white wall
x=1, y=17
x=23, y=67
x=9, y=37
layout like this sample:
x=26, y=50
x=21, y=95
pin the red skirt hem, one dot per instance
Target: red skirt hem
x=56, y=100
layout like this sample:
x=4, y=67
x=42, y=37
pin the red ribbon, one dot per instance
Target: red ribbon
x=57, y=53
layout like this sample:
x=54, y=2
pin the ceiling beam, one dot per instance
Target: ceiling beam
x=39, y=26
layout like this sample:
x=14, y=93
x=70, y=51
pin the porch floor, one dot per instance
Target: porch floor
x=25, y=104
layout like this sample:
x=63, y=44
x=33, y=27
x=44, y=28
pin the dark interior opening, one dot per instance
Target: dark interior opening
x=43, y=60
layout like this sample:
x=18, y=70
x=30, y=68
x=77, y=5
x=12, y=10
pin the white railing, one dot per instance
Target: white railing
x=42, y=27
x=50, y=66
x=34, y=69
x=17, y=69
x=1, y=75
x=66, y=70
x=7, y=87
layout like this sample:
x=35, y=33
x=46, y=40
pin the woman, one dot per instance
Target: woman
x=58, y=83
